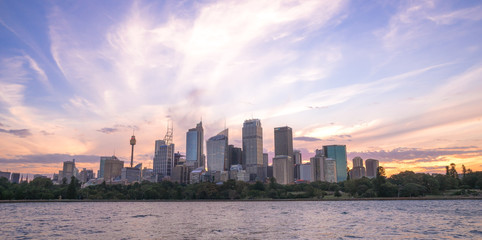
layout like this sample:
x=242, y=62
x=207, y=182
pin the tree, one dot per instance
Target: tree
x=464, y=171
x=72, y=189
x=452, y=171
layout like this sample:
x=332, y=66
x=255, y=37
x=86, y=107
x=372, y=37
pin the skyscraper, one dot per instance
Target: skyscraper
x=252, y=147
x=112, y=169
x=358, y=171
x=163, y=158
x=283, y=169
x=338, y=153
x=297, y=157
x=318, y=166
x=371, y=167
x=69, y=170
x=217, y=152
x=330, y=170
x=283, y=141
x=194, y=146
x=235, y=155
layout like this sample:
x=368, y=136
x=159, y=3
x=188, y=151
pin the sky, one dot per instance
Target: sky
x=397, y=81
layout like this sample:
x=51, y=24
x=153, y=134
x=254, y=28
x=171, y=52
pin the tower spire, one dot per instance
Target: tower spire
x=132, y=142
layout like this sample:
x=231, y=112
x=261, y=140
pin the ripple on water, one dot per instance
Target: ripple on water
x=241, y=220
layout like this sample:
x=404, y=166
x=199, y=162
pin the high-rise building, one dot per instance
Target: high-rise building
x=283, y=169
x=371, y=168
x=235, y=155
x=112, y=169
x=181, y=173
x=163, y=158
x=358, y=171
x=357, y=162
x=217, y=152
x=283, y=141
x=69, y=170
x=318, y=166
x=195, y=147
x=330, y=170
x=252, y=147
x=305, y=172
x=265, y=167
x=297, y=161
x=178, y=159
x=85, y=175
x=15, y=178
x=338, y=153
x=297, y=157
x=131, y=174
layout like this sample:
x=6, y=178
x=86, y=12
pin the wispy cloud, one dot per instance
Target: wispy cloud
x=307, y=139
x=17, y=132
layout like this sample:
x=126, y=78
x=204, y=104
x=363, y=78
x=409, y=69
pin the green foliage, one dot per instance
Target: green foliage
x=404, y=184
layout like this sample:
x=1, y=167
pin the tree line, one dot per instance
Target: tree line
x=403, y=184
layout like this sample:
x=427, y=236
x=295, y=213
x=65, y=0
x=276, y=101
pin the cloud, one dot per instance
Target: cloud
x=50, y=158
x=415, y=154
x=472, y=13
x=17, y=132
x=108, y=130
x=307, y=139
x=117, y=128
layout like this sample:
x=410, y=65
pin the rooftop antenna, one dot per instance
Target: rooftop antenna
x=224, y=123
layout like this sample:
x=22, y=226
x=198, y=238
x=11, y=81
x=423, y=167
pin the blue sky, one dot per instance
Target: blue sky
x=399, y=81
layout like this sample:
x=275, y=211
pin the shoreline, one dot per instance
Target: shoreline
x=246, y=200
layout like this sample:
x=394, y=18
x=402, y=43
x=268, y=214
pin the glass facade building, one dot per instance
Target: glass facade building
x=252, y=147
x=217, y=152
x=337, y=153
x=195, y=147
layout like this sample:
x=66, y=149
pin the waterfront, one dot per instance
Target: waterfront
x=430, y=219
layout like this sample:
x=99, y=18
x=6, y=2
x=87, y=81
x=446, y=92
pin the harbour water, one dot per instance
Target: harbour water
x=429, y=219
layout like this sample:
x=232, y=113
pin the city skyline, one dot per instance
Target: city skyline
x=398, y=82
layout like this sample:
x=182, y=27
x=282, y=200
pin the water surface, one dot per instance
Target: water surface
x=430, y=219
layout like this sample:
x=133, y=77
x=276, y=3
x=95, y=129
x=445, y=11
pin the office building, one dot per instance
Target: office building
x=283, y=169
x=265, y=167
x=358, y=170
x=15, y=178
x=283, y=141
x=297, y=157
x=318, y=166
x=131, y=174
x=112, y=169
x=357, y=162
x=100, y=173
x=147, y=174
x=217, y=152
x=252, y=147
x=196, y=175
x=305, y=172
x=163, y=158
x=181, y=174
x=337, y=153
x=69, y=170
x=195, y=147
x=330, y=170
x=371, y=168
x=85, y=175
x=235, y=155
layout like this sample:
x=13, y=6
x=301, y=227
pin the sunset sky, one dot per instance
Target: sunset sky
x=398, y=81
